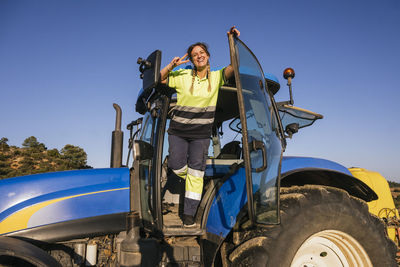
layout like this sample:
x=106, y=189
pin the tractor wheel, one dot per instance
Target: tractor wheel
x=320, y=226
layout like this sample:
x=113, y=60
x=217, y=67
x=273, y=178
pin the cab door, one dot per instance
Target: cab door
x=262, y=145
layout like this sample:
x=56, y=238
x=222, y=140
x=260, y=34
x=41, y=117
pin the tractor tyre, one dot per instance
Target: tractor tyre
x=320, y=226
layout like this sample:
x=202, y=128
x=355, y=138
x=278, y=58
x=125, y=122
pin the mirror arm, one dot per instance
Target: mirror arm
x=291, y=101
x=282, y=103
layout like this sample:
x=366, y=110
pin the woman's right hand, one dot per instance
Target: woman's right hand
x=177, y=61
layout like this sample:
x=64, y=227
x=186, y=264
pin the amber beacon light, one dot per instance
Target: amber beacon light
x=289, y=74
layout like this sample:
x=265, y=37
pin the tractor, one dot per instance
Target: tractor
x=258, y=208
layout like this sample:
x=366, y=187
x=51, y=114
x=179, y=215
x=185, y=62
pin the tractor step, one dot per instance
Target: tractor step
x=182, y=251
x=182, y=231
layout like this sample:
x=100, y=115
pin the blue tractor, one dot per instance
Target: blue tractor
x=259, y=208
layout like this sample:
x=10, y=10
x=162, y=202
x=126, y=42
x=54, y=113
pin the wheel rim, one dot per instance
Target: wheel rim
x=331, y=248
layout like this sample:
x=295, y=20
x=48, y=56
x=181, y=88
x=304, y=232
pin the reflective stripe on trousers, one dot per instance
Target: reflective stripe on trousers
x=182, y=172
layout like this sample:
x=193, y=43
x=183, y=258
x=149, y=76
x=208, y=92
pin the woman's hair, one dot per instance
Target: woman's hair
x=194, y=72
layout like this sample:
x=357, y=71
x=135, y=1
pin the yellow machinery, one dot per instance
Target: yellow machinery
x=384, y=206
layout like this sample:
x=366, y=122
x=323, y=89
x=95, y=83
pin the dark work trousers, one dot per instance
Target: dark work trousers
x=187, y=159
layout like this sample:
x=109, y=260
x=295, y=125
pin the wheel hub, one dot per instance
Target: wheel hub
x=331, y=248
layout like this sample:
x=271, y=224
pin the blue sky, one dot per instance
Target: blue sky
x=63, y=64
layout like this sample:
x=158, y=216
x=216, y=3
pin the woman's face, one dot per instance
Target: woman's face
x=199, y=57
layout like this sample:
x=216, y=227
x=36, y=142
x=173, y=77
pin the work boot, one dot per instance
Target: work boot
x=188, y=220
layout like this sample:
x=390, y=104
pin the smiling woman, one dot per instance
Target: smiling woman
x=192, y=120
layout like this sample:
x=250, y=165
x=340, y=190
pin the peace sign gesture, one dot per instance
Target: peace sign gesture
x=178, y=61
x=174, y=62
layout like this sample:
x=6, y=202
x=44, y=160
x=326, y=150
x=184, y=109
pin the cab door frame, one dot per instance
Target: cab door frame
x=257, y=145
x=245, y=145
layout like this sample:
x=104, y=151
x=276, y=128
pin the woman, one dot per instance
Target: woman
x=191, y=124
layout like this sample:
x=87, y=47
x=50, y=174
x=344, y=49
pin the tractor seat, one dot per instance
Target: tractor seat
x=231, y=150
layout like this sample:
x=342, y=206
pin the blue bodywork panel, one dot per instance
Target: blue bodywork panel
x=271, y=77
x=228, y=202
x=41, y=199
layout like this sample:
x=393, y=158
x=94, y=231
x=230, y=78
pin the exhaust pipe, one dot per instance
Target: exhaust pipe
x=117, y=140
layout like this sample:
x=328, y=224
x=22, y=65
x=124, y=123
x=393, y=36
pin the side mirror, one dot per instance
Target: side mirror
x=150, y=70
x=295, y=118
x=291, y=129
x=150, y=73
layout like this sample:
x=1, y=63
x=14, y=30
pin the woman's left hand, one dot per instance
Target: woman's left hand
x=234, y=31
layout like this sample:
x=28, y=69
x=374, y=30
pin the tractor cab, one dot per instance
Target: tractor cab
x=243, y=162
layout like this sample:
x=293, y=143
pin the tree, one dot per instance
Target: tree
x=4, y=165
x=34, y=144
x=34, y=157
x=397, y=201
x=3, y=144
x=27, y=166
x=74, y=156
x=393, y=184
x=53, y=153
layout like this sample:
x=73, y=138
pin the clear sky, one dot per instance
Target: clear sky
x=63, y=64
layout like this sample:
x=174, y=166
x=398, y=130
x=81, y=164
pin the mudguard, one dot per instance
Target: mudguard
x=294, y=164
x=18, y=249
x=307, y=170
